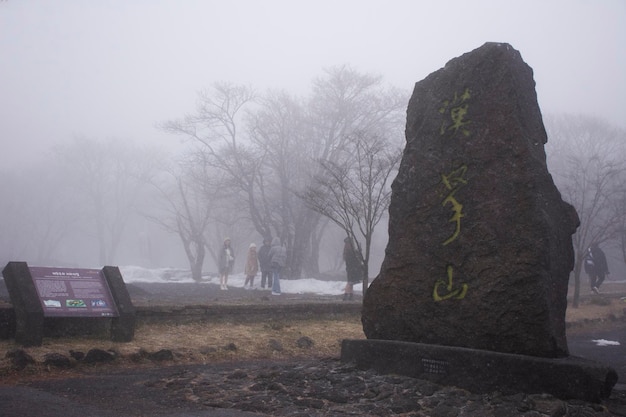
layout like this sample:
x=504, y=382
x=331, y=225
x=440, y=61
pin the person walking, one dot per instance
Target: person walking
x=265, y=263
x=354, y=268
x=226, y=260
x=278, y=260
x=596, y=267
x=252, y=266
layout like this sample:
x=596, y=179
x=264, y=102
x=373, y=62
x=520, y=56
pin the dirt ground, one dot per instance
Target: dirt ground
x=279, y=338
x=257, y=368
x=595, y=308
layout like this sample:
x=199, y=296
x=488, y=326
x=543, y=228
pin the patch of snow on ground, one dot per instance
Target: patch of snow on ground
x=603, y=342
x=290, y=286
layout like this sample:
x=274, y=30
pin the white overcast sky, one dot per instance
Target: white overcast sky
x=112, y=69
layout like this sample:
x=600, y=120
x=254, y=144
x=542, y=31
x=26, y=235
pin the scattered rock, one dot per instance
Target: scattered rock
x=99, y=356
x=305, y=342
x=57, y=360
x=20, y=358
x=161, y=355
x=79, y=356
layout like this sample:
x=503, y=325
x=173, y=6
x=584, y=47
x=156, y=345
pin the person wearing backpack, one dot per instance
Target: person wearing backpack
x=278, y=260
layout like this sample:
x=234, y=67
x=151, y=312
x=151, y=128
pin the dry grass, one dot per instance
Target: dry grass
x=201, y=343
x=252, y=340
x=596, y=307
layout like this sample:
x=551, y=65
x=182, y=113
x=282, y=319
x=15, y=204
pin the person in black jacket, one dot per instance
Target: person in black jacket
x=596, y=267
x=265, y=263
x=354, y=268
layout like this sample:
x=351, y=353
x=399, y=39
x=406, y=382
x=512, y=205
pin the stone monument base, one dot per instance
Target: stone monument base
x=482, y=371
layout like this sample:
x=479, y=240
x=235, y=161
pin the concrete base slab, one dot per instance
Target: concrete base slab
x=482, y=371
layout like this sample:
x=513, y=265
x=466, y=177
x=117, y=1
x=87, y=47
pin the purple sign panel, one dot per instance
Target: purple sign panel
x=72, y=292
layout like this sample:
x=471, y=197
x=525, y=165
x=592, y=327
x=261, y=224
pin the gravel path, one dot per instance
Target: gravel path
x=293, y=388
x=266, y=388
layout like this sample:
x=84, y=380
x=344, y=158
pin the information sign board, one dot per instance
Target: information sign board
x=73, y=292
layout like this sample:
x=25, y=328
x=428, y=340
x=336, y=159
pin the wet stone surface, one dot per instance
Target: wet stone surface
x=320, y=388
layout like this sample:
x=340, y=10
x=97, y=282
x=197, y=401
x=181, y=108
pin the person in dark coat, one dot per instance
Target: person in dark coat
x=596, y=267
x=265, y=263
x=354, y=268
x=278, y=260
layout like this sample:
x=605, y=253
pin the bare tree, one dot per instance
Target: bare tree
x=265, y=147
x=110, y=177
x=222, y=144
x=185, y=212
x=50, y=211
x=279, y=131
x=620, y=207
x=354, y=191
x=587, y=157
x=296, y=134
x=14, y=207
x=194, y=203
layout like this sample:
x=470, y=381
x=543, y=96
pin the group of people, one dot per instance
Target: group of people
x=271, y=259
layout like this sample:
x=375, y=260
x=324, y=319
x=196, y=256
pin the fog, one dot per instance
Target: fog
x=115, y=70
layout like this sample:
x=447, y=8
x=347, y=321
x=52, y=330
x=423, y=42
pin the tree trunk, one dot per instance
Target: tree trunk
x=312, y=267
x=366, y=280
x=366, y=261
x=196, y=264
x=195, y=251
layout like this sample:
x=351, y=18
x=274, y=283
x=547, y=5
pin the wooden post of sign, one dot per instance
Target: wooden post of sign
x=26, y=304
x=123, y=326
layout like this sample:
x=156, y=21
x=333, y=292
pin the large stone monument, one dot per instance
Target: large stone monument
x=473, y=288
x=480, y=246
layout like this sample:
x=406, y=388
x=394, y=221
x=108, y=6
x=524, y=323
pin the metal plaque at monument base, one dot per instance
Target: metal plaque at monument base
x=41, y=294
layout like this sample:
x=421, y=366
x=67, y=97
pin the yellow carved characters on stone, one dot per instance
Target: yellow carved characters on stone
x=454, y=121
x=453, y=182
x=450, y=292
x=455, y=112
